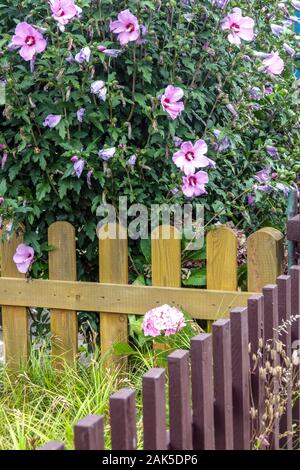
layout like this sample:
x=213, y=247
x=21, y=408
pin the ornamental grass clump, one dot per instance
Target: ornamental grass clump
x=277, y=377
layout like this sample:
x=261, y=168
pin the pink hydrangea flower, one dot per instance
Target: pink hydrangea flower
x=194, y=185
x=190, y=157
x=126, y=27
x=63, y=10
x=170, y=101
x=2, y=200
x=240, y=27
x=273, y=64
x=23, y=258
x=29, y=40
x=164, y=319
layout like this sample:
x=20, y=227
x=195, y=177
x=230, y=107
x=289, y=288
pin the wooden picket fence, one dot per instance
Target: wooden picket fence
x=114, y=298
x=213, y=387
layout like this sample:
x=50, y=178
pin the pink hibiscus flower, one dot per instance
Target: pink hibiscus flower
x=126, y=27
x=194, y=185
x=63, y=10
x=273, y=64
x=170, y=101
x=29, y=40
x=190, y=157
x=240, y=27
x=23, y=258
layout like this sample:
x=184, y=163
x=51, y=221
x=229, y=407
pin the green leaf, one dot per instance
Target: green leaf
x=197, y=279
x=139, y=281
x=3, y=187
x=146, y=249
x=62, y=130
x=42, y=189
x=122, y=349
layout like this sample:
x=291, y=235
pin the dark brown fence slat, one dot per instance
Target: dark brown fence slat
x=284, y=313
x=240, y=378
x=295, y=275
x=154, y=410
x=123, y=420
x=270, y=293
x=222, y=385
x=179, y=398
x=53, y=446
x=89, y=433
x=202, y=392
x=256, y=338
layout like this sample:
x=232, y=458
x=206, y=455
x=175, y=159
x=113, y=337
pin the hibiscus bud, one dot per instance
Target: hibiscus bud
x=68, y=93
x=232, y=109
x=289, y=49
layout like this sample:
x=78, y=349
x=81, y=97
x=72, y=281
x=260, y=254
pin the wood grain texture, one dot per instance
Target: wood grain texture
x=222, y=365
x=221, y=249
x=265, y=258
x=202, y=392
x=240, y=378
x=295, y=279
x=123, y=420
x=113, y=268
x=154, y=410
x=14, y=318
x=179, y=400
x=270, y=293
x=284, y=284
x=166, y=263
x=293, y=229
x=62, y=266
x=115, y=298
x=166, y=257
x=89, y=433
x=53, y=446
x=256, y=337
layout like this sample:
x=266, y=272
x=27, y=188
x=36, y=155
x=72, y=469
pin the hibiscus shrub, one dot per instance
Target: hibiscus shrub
x=159, y=101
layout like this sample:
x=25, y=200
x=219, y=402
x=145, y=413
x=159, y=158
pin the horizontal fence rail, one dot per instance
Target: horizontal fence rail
x=130, y=299
x=216, y=396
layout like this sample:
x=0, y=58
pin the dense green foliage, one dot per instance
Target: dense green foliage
x=188, y=51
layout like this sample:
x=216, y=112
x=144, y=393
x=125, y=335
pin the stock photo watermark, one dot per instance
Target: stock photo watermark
x=138, y=221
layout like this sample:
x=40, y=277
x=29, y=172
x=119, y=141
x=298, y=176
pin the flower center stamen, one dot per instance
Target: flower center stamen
x=235, y=27
x=130, y=27
x=30, y=40
x=190, y=156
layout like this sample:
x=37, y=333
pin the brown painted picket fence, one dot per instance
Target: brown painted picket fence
x=114, y=298
x=209, y=405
